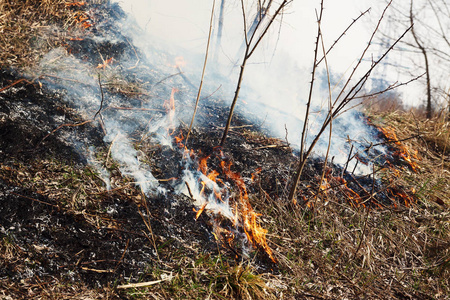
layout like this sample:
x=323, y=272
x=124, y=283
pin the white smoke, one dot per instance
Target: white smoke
x=276, y=80
x=79, y=80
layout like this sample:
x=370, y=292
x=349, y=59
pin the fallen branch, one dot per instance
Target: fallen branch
x=14, y=83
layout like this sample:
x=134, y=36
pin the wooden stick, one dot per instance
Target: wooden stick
x=143, y=284
x=203, y=74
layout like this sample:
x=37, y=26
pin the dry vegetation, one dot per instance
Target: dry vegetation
x=429, y=142
x=29, y=28
x=333, y=250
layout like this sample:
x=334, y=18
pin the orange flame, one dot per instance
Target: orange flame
x=403, y=151
x=79, y=4
x=242, y=211
x=254, y=175
x=170, y=109
x=105, y=63
x=203, y=165
x=399, y=194
x=199, y=212
x=349, y=192
x=254, y=232
x=81, y=17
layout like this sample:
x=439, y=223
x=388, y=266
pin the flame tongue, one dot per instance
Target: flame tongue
x=254, y=232
x=403, y=151
x=214, y=195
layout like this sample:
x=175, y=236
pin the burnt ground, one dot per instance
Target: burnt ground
x=59, y=224
x=54, y=239
x=105, y=240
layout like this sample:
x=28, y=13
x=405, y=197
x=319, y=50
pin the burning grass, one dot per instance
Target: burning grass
x=425, y=142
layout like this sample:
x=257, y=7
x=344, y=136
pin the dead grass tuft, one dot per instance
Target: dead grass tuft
x=30, y=28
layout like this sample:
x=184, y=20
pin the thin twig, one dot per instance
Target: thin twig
x=203, y=73
x=308, y=106
x=249, y=50
x=168, y=77
x=123, y=255
x=14, y=83
x=330, y=110
x=36, y=200
x=101, y=103
x=342, y=34
x=143, y=284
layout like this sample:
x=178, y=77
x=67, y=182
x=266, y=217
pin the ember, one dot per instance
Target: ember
x=105, y=63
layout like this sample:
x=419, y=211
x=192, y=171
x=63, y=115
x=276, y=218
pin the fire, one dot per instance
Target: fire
x=199, y=212
x=403, y=151
x=105, y=63
x=83, y=19
x=212, y=194
x=254, y=232
x=324, y=186
x=399, y=194
x=179, y=139
x=79, y=4
x=355, y=198
x=170, y=109
x=254, y=175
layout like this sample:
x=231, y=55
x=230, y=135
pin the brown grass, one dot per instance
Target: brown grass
x=431, y=143
x=28, y=29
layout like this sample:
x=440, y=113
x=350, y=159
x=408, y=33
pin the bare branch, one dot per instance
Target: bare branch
x=203, y=72
x=308, y=106
x=343, y=33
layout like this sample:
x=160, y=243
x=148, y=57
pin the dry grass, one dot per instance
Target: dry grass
x=28, y=29
x=338, y=251
x=429, y=139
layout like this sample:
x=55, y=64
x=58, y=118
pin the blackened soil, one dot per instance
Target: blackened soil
x=55, y=242
x=47, y=237
x=28, y=114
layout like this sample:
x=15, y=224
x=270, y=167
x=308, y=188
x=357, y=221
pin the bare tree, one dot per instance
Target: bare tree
x=252, y=38
x=425, y=56
x=340, y=104
x=219, y=30
x=426, y=49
